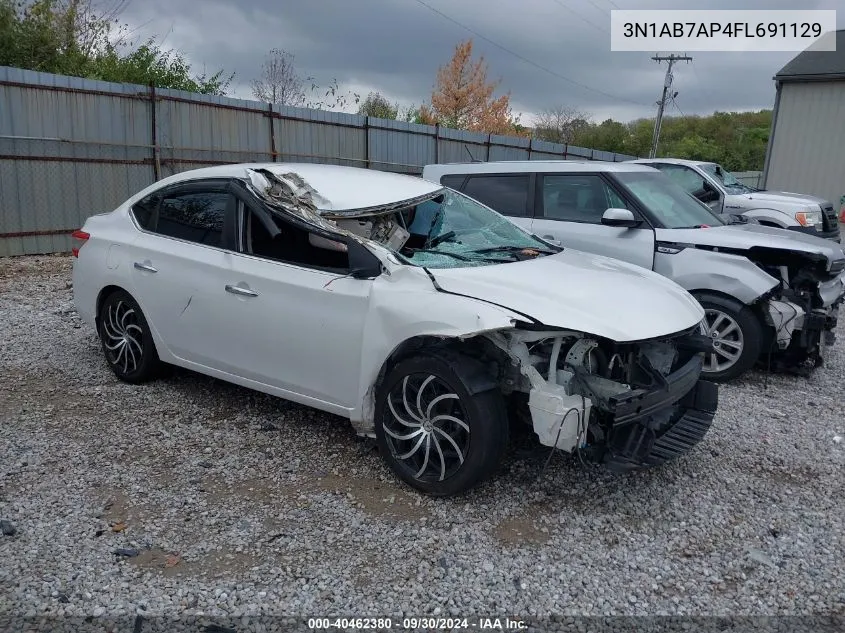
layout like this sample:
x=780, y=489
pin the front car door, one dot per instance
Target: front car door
x=569, y=208
x=294, y=317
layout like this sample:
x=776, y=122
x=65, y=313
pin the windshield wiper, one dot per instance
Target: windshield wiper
x=464, y=258
x=513, y=249
x=446, y=237
x=434, y=251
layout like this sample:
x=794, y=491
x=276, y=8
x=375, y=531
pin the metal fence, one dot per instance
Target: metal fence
x=71, y=147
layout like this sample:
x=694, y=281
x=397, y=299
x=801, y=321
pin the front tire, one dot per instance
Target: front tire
x=434, y=430
x=737, y=337
x=126, y=339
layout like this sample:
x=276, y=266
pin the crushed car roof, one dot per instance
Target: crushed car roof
x=338, y=188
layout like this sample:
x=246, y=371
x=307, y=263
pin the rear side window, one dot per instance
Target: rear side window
x=453, y=181
x=144, y=210
x=195, y=216
x=507, y=194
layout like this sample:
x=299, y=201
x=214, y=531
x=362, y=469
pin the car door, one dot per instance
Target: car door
x=294, y=316
x=184, y=247
x=569, y=209
x=509, y=194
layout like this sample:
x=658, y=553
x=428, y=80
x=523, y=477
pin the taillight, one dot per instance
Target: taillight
x=79, y=238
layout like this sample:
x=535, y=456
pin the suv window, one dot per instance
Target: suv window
x=507, y=194
x=195, y=216
x=689, y=179
x=453, y=181
x=144, y=209
x=578, y=198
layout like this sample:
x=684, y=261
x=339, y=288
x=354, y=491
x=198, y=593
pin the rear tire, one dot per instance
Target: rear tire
x=737, y=334
x=432, y=430
x=126, y=339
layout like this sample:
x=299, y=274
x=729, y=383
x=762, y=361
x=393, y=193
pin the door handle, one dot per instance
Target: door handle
x=145, y=266
x=240, y=290
x=551, y=239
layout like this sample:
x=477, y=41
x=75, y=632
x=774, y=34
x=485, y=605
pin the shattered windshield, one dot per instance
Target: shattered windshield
x=452, y=230
x=730, y=182
x=667, y=201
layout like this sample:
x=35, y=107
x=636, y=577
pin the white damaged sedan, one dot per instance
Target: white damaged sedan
x=428, y=320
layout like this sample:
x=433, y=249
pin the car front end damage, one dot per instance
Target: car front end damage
x=626, y=405
x=802, y=309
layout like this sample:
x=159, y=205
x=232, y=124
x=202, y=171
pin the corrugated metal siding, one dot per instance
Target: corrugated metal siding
x=70, y=147
x=809, y=141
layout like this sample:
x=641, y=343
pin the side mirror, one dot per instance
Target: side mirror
x=362, y=263
x=706, y=186
x=619, y=217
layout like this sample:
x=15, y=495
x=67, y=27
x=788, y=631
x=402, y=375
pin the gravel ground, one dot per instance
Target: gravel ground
x=238, y=503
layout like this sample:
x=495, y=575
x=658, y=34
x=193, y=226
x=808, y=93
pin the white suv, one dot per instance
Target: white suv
x=766, y=292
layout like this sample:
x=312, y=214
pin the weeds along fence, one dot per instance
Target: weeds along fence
x=70, y=147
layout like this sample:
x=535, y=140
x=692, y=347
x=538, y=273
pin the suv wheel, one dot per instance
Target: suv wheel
x=737, y=337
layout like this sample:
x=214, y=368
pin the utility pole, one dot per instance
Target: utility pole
x=667, y=85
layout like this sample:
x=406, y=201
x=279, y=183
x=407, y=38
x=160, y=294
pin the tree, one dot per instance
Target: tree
x=463, y=98
x=279, y=81
x=333, y=98
x=376, y=105
x=560, y=124
x=75, y=37
x=149, y=64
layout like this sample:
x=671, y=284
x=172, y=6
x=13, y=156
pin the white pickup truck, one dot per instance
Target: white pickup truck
x=724, y=193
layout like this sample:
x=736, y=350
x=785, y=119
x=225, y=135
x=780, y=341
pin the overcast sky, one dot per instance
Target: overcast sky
x=396, y=47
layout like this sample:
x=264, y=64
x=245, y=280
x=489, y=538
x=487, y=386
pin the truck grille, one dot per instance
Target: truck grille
x=829, y=220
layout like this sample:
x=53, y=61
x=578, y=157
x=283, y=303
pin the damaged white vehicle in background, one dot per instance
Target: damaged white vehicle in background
x=419, y=314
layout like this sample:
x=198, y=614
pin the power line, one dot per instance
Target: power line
x=581, y=17
x=525, y=59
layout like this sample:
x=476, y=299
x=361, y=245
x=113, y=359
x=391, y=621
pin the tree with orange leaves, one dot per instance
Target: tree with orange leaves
x=463, y=98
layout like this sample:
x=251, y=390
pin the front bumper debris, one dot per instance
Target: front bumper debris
x=641, y=403
x=654, y=440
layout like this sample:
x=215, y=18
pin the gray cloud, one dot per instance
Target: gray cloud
x=396, y=46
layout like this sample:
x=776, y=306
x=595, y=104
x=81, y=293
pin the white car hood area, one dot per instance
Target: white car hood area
x=784, y=197
x=582, y=292
x=748, y=236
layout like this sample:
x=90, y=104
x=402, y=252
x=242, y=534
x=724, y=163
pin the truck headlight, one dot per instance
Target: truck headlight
x=810, y=219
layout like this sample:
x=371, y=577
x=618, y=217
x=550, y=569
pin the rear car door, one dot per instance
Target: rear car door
x=184, y=247
x=569, y=209
x=509, y=194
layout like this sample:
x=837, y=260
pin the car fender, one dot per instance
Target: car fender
x=778, y=218
x=696, y=269
x=404, y=306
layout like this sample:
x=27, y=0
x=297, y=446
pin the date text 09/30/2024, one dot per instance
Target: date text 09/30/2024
x=417, y=623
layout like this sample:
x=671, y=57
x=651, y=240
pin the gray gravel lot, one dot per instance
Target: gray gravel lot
x=239, y=503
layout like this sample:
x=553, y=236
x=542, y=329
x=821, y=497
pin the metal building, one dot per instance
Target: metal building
x=806, y=152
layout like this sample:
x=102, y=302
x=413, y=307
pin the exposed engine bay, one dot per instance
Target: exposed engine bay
x=802, y=309
x=626, y=405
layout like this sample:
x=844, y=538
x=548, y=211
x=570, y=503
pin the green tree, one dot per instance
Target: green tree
x=737, y=140
x=376, y=105
x=74, y=37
